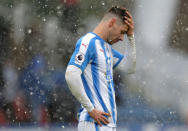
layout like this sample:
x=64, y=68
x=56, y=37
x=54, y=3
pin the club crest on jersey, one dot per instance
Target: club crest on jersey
x=79, y=58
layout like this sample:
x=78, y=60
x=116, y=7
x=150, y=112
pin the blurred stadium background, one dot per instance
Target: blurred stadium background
x=37, y=38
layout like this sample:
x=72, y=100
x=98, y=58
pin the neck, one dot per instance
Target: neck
x=101, y=31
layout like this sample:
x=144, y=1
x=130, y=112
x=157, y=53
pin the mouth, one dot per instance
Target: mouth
x=115, y=41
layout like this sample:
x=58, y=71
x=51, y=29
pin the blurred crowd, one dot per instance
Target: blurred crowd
x=35, y=94
x=33, y=57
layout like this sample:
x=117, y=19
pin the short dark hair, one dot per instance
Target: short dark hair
x=119, y=11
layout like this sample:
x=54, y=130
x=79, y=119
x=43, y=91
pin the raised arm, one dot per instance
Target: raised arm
x=128, y=63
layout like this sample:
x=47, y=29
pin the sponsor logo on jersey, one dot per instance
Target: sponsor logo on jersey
x=102, y=50
x=84, y=45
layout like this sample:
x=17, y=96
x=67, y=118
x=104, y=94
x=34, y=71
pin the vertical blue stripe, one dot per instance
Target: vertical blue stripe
x=110, y=90
x=95, y=76
x=112, y=102
x=89, y=94
x=87, y=89
x=97, y=88
x=96, y=127
x=112, y=84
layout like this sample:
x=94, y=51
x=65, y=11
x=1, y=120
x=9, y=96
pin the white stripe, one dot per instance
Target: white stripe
x=86, y=40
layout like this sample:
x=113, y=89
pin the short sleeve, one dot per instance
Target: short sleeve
x=83, y=53
x=117, y=55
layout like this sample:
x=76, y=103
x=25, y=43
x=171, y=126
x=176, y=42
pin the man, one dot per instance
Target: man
x=89, y=72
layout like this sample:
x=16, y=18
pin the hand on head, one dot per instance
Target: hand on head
x=129, y=21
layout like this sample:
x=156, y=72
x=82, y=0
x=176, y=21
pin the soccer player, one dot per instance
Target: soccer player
x=90, y=70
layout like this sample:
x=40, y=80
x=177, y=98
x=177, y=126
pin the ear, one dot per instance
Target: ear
x=112, y=22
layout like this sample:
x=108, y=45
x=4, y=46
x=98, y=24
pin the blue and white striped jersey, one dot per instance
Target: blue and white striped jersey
x=94, y=57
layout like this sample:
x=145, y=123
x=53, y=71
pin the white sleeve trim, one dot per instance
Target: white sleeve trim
x=73, y=78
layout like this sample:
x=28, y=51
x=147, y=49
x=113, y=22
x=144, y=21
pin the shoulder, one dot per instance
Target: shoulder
x=89, y=38
x=86, y=41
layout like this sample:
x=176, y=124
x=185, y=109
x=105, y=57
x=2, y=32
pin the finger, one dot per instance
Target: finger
x=129, y=24
x=126, y=22
x=106, y=114
x=129, y=14
x=98, y=122
x=104, y=120
x=129, y=20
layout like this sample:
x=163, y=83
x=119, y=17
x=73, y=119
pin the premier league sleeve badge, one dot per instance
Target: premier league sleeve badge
x=79, y=58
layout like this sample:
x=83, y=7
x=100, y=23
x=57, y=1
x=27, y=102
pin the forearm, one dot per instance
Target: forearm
x=128, y=63
x=132, y=53
x=131, y=57
x=73, y=78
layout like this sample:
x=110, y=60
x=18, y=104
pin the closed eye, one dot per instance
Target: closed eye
x=123, y=32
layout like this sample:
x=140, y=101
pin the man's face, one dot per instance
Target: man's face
x=116, y=33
